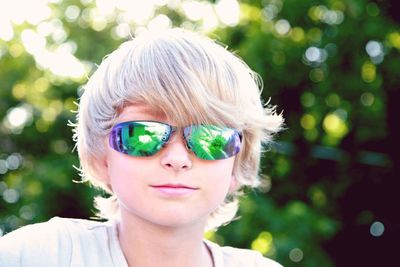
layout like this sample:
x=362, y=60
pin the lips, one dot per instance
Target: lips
x=174, y=186
x=174, y=190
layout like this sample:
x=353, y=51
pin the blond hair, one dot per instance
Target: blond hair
x=190, y=78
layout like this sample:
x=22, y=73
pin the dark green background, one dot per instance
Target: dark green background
x=331, y=177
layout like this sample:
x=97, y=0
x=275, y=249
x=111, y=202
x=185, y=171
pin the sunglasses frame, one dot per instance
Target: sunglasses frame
x=114, y=144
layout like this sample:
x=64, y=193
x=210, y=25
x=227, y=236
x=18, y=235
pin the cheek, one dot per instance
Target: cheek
x=117, y=167
x=129, y=181
x=219, y=177
x=124, y=173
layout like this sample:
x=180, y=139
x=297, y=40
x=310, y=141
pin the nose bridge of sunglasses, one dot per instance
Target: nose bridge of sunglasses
x=176, y=134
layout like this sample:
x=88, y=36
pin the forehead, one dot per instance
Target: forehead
x=140, y=112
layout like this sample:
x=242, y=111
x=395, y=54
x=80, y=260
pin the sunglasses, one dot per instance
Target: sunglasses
x=146, y=138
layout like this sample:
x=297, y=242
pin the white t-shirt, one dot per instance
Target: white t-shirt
x=74, y=242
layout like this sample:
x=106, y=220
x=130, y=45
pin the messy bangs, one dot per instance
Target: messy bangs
x=185, y=82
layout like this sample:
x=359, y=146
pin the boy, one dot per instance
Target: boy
x=171, y=125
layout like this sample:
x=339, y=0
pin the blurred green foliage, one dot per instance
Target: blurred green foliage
x=325, y=63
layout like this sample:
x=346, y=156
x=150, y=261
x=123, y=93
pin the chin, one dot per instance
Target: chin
x=175, y=221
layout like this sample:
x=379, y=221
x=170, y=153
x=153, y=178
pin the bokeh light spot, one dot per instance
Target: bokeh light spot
x=19, y=91
x=317, y=196
x=3, y=166
x=16, y=50
x=308, y=121
x=46, y=28
x=14, y=161
x=313, y=54
x=394, y=39
x=34, y=188
x=33, y=42
x=284, y=166
x=282, y=27
x=297, y=208
x=262, y=243
x=317, y=75
x=314, y=35
x=323, y=14
x=105, y=7
x=41, y=85
x=98, y=23
x=377, y=229
x=13, y=221
x=269, y=12
x=42, y=125
x=194, y=10
x=228, y=11
x=26, y=212
x=6, y=30
x=368, y=72
x=334, y=125
x=374, y=48
x=18, y=117
x=333, y=100
x=317, y=12
x=60, y=146
x=135, y=11
x=307, y=99
x=297, y=34
x=11, y=196
x=367, y=99
x=160, y=22
x=72, y=13
x=296, y=255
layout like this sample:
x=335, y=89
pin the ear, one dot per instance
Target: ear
x=100, y=164
x=234, y=186
x=101, y=167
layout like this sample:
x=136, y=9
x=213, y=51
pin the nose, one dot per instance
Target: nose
x=175, y=155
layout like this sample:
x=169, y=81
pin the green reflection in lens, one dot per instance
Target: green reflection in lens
x=144, y=139
x=209, y=141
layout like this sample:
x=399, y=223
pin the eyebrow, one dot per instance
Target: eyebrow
x=147, y=110
x=153, y=112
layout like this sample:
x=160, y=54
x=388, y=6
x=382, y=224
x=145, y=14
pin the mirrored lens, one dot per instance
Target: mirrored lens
x=212, y=142
x=138, y=138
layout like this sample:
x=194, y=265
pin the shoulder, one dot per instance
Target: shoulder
x=36, y=239
x=231, y=256
x=30, y=234
x=42, y=244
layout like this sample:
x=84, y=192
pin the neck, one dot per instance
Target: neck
x=147, y=244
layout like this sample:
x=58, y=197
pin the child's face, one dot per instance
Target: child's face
x=171, y=188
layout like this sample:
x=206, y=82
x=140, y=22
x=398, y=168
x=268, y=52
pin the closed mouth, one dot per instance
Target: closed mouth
x=177, y=186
